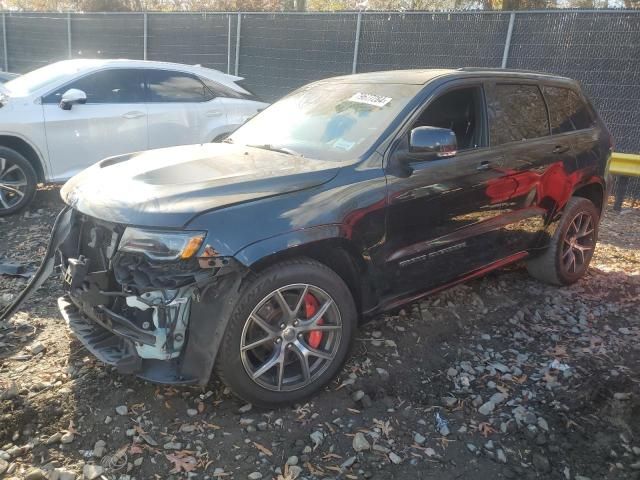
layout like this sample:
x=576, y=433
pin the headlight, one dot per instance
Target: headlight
x=159, y=245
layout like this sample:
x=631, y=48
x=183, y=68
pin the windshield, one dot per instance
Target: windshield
x=43, y=77
x=327, y=121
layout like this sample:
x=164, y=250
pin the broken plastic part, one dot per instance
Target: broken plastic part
x=14, y=269
x=59, y=233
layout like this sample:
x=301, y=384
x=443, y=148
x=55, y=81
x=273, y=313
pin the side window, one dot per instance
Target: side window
x=568, y=112
x=171, y=87
x=516, y=112
x=106, y=86
x=458, y=110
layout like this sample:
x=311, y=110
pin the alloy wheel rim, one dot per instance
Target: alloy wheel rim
x=13, y=184
x=282, y=347
x=579, y=242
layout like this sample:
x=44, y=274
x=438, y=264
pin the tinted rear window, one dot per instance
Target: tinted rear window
x=170, y=87
x=568, y=112
x=516, y=113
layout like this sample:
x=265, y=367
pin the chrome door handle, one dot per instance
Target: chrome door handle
x=131, y=115
x=214, y=113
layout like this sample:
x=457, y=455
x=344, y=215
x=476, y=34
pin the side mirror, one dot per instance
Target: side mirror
x=430, y=143
x=72, y=97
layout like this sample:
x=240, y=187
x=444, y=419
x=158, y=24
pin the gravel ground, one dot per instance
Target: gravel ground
x=503, y=377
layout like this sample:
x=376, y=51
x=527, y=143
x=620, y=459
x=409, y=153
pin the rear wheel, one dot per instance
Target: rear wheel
x=572, y=245
x=17, y=182
x=289, y=334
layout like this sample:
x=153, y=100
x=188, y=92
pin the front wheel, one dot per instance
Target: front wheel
x=289, y=334
x=572, y=245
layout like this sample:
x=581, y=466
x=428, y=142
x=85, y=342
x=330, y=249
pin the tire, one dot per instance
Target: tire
x=18, y=182
x=571, y=237
x=255, y=339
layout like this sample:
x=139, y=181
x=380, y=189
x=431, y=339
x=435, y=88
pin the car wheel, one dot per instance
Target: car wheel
x=288, y=335
x=17, y=181
x=572, y=245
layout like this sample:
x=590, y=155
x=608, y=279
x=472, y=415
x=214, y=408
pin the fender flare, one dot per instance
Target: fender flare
x=256, y=252
x=42, y=158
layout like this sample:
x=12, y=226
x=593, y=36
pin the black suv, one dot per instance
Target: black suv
x=351, y=196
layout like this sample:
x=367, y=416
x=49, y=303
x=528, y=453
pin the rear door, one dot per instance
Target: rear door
x=574, y=122
x=239, y=108
x=112, y=122
x=182, y=109
x=539, y=164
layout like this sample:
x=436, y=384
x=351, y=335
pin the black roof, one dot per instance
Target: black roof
x=422, y=76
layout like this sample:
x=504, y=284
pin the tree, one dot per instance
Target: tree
x=299, y=5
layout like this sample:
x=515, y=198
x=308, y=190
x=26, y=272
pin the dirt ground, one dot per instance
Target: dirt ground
x=503, y=377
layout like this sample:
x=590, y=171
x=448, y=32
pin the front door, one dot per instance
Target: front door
x=444, y=219
x=112, y=122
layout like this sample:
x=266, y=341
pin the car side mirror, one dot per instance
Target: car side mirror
x=431, y=143
x=72, y=97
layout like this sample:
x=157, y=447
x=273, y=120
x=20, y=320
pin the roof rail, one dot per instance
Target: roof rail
x=508, y=70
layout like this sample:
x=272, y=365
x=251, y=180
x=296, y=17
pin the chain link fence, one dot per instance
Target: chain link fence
x=278, y=52
x=189, y=38
x=412, y=40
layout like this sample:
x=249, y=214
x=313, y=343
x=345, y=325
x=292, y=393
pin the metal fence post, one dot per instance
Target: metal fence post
x=4, y=42
x=507, y=42
x=356, y=47
x=238, y=43
x=69, y=51
x=229, y=45
x=146, y=36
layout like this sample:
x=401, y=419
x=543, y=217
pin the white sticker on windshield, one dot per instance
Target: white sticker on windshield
x=370, y=99
x=343, y=144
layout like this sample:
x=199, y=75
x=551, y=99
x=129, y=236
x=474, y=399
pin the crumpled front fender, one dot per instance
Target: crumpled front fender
x=208, y=322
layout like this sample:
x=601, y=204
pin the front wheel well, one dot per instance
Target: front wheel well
x=592, y=192
x=27, y=151
x=336, y=255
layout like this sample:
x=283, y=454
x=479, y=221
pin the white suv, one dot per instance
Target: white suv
x=59, y=119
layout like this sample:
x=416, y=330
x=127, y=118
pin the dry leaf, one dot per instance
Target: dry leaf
x=181, y=463
x=314, y=470
x=486, y=429
x=263, y=449
x=331, y=455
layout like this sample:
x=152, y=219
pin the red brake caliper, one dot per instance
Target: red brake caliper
x=311, y=307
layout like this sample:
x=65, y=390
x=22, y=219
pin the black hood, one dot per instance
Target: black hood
x=168, y=187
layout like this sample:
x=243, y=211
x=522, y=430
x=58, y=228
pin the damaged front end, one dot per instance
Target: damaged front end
x=152, y=303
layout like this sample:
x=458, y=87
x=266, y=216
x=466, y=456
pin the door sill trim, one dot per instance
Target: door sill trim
x=479, y=272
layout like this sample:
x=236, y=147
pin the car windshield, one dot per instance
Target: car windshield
x=43, y=77
x=327, y=121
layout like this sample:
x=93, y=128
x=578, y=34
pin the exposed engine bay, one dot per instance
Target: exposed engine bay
x=133, y=311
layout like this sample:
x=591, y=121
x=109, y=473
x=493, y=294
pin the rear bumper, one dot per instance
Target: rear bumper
x=113, y=346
